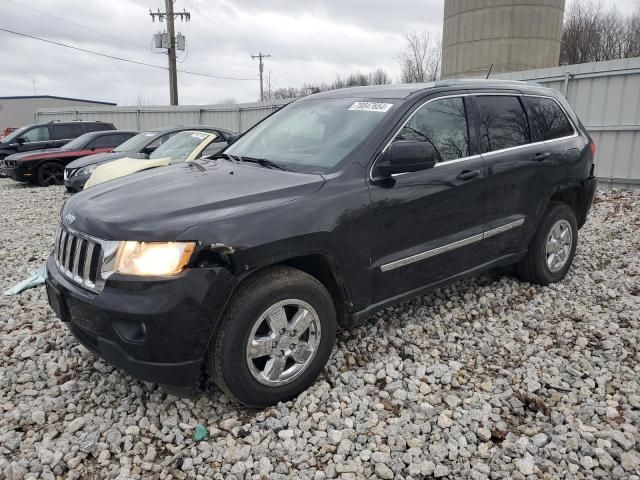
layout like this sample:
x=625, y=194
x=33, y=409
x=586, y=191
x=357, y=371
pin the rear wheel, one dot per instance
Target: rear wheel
x=50, y=173
x=274, y=339
x=552, y=250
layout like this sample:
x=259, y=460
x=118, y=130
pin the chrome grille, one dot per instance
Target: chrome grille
x=79, y=257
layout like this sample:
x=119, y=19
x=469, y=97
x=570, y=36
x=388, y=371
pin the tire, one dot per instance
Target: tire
x=50, y=173
x=280, y=289
x=539, y=266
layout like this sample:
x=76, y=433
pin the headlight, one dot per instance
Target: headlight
x=152, y=258
x=84, y=171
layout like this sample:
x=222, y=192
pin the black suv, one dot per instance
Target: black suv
x=47, y=135
x=334, y=207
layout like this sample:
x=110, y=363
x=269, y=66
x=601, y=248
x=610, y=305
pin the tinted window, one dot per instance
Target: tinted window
x=66, y=131
x=106, y=141
x=97, y=127
x=547, y=119
x=37, y=134
x=503, y=123
x=443, y=124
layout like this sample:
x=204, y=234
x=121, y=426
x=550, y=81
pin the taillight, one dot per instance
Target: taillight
x=592, y=147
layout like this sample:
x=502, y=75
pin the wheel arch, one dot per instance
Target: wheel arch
x=575, y=197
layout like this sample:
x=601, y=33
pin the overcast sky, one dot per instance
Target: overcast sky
x=310, y=41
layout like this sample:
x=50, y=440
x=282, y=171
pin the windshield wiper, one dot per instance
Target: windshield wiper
x=264, y=163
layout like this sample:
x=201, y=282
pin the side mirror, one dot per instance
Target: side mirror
x=148, y=150
x=21, y=140
x=406, y=156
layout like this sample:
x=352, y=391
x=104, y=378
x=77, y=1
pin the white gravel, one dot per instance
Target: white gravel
x=488, y=378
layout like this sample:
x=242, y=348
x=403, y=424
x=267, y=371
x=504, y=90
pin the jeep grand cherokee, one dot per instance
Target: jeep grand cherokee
x=333, y=207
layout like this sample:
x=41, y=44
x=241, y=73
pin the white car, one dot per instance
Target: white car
x=182, y=147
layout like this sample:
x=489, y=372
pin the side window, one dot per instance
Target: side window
x=96, y=127
x=214, y=147
x=37, y=134
x=443, y=124
x=160, y=140
x=65, y=131
x=503, y=123
x=105, y=141
x=547, y=119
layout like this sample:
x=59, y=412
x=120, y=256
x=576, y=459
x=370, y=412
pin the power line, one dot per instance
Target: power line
x=113, y=57
x=78, y=25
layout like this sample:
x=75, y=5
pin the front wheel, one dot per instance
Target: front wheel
x=50, y=173
x=274, y=339
x=553, y=247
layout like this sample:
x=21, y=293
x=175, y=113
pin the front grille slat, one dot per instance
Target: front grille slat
x=78, y=257
x=87, y=262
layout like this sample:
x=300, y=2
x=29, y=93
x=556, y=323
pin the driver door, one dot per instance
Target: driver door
x=427, y=225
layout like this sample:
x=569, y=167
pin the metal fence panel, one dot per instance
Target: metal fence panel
x=236, y=117
x=606, y=97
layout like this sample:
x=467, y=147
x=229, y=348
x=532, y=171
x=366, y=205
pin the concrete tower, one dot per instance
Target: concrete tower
x=510, y=34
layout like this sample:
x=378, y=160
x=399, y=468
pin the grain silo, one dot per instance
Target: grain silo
x=510, y=34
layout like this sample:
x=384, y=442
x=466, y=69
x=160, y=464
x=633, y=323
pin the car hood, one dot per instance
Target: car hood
x=160, y=204
x=123, y=167
x=101, y=158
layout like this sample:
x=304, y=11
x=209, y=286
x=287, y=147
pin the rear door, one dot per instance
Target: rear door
x=550, y=124
x=427, y=226
x=513, y=171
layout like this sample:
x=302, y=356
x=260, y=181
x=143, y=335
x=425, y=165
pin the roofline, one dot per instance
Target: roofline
x=21, y=97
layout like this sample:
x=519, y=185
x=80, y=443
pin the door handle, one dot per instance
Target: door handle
x=542, y=156
x=469, y=174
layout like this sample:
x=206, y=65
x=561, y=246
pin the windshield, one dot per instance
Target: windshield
x=179, y=146
x=312, y=135
x=15, y=134
x=136, y=143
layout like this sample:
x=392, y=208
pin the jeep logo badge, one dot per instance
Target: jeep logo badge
x=70, y=218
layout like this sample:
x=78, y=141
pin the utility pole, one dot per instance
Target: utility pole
x=171, y=47
x=260, y=56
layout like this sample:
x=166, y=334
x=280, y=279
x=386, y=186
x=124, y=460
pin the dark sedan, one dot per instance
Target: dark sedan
x=46, y=167
x=78, y=172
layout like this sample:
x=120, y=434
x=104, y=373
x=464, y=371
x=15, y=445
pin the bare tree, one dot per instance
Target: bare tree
x=422, y=57
x=229, y=101
x=593, y=34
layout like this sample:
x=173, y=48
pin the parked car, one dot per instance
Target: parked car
x=46, y=167
x=182, y=147
x=7, y=131
x=141, y=146
x=47, y=135
x=332, y=208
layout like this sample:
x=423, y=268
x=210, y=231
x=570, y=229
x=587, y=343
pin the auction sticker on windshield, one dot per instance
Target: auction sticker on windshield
x=371, y=107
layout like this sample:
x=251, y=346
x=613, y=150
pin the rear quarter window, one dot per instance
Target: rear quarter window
x=548, y=120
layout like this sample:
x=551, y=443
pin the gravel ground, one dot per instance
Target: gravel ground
x=488, y=378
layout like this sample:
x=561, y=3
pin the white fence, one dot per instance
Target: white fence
x=236, y=117
x=606, y=97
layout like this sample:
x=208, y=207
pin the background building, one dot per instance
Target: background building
x=18, y=111
x=512, y=35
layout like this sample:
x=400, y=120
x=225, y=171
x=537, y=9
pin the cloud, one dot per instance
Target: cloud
x=310, y=42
